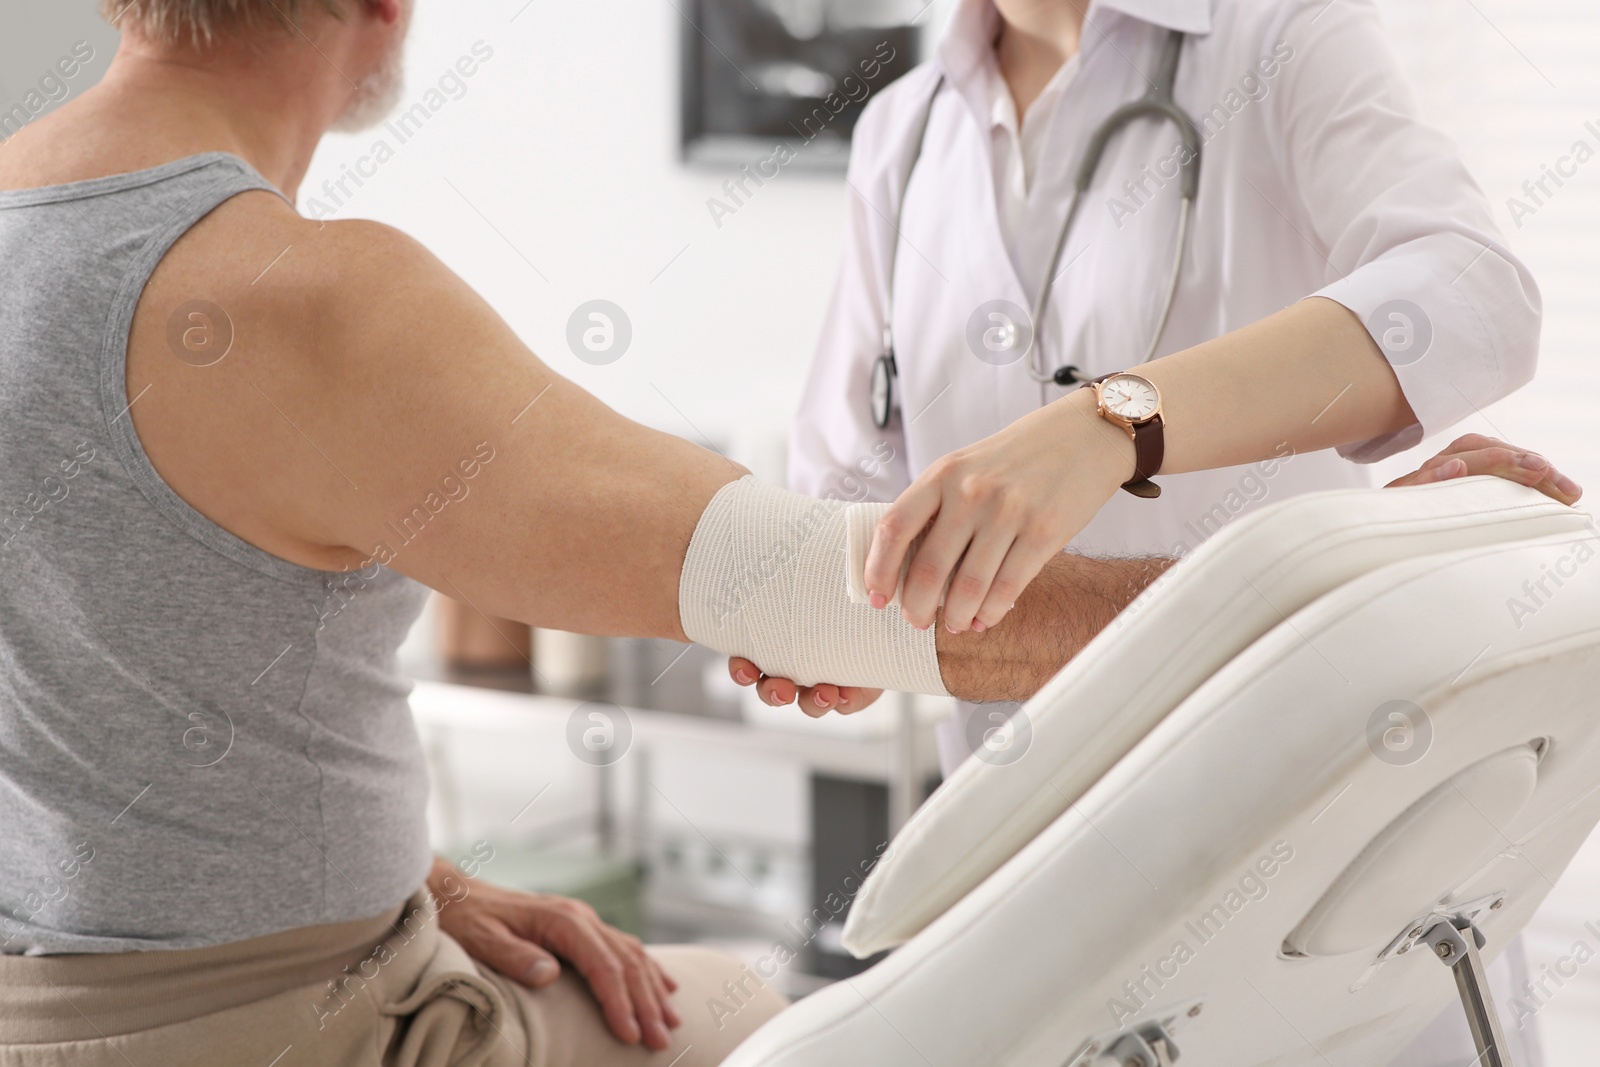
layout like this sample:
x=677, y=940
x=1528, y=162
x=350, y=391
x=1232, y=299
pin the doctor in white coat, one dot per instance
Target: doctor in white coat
x=1343, y=292
x=1343, y=289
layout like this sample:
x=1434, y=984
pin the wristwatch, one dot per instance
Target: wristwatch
x=1134, y=403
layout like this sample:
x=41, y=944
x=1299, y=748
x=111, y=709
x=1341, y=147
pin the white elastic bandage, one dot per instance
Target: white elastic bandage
x=770, y=575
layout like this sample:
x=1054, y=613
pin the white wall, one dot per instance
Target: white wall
x=34, y=36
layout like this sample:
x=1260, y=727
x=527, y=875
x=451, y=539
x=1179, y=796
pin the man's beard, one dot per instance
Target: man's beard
x=379, y=92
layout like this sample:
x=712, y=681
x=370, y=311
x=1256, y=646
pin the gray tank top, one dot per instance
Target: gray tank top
x=200, y=742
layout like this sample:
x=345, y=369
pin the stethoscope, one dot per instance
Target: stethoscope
x=1157, y=103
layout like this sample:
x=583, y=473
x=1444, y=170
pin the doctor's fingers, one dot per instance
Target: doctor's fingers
x=1023, y=563
x=933, y=562
x=897, y=531
x=1490, y=455
x=974, y=579
x=1500, y=460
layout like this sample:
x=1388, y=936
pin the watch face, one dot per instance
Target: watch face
x=1130, y=397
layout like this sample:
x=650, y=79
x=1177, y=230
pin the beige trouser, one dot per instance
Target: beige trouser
x=387, y=992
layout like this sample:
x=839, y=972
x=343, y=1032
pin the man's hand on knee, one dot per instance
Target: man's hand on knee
x=525, y=936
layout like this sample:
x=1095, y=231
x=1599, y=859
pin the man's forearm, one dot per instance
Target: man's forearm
x=1071, y=600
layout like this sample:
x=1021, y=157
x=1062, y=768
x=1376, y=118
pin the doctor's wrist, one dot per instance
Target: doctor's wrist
x=1095, y=442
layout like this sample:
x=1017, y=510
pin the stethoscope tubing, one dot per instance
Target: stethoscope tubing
x=1158, y=102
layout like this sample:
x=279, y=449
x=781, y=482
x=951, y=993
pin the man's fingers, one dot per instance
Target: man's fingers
x=776, y=691
x=542, y=968
x=899, y=526
x=583, y=942
x=853, y=698
x=493, y=942
x=743, y=671
x=664, y=987
x=817, y=701
x=646, y=997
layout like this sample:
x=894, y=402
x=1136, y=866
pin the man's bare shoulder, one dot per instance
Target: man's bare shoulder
x=321, y=296
x=281, y=331
x=258, y=250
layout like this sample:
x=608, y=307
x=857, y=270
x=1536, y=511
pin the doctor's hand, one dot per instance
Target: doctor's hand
x=992, y=514
x=816, y=701
x=1477, y=454
x=526, y=936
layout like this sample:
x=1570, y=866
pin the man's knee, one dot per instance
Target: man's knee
x=720, y=998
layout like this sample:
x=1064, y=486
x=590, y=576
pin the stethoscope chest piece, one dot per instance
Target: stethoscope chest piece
x=883, y=398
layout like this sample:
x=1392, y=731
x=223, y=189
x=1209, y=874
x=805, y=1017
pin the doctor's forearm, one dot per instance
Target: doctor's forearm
x=1073, y=599
x=1309, y=376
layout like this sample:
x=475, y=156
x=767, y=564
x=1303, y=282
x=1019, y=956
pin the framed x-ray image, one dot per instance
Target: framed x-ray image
x=760, y=74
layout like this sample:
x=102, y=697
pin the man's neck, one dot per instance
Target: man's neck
x=1037, y=37
x=270, y=112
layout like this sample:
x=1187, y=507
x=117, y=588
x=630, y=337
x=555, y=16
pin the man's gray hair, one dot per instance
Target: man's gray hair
x=201, y=20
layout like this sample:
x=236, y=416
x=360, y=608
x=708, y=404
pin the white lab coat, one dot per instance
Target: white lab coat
x=1317, y=178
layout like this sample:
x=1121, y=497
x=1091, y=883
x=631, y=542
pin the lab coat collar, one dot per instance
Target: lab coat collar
x=1190, y=16
x=968, y=42
x=966, y=51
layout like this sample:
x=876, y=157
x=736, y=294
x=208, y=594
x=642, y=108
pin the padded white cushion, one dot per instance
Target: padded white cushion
x=1199, y=615
x=1237, y=813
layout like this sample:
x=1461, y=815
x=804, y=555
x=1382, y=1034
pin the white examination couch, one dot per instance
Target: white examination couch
x=1278, y=814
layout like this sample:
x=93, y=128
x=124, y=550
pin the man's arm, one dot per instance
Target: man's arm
x=1073, y=599
x=375, y=408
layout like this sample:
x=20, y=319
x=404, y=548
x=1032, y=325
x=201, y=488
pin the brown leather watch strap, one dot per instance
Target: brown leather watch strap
x=1149, y=449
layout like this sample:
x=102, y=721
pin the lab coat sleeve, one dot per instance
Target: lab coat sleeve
x=1404, y=227
x=834, y=448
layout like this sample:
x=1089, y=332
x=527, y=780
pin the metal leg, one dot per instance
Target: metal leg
x=1458, y=948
